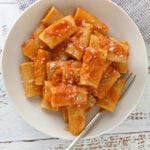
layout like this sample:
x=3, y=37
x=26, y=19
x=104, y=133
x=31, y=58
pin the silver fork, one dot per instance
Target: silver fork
x=129, y=77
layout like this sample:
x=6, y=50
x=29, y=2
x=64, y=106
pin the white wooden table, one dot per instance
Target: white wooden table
x=16, y=134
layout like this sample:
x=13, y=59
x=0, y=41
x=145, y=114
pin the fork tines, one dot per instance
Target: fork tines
x=129, y=77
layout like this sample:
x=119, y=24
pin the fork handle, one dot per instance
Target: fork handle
x=86, y=129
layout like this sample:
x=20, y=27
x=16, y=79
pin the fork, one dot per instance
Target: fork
x=129, y=77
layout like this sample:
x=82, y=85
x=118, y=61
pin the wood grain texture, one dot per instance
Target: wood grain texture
x=16, y=134
x=137, y=141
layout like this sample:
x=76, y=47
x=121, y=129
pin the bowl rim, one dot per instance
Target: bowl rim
x=22, y=114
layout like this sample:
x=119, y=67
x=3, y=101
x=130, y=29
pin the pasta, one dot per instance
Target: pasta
x=91, y=69
x=82, y=16
x=58, y=31
x=46, y=100
x=79, y=41
x=109, y=78
x=27, y=71
x=74, y=66
x=110, y=100
x=40, y=66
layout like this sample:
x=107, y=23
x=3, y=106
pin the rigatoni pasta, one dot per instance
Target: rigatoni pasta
x=58, y=32
x=30, y=88
x=73, y=66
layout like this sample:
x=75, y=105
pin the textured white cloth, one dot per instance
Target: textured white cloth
x=139, y=11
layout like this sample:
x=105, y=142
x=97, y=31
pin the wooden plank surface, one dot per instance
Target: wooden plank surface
x=137, y=141
x=16, y=134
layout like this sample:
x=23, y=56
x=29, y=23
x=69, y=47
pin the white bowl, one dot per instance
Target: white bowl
x=120, y=26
